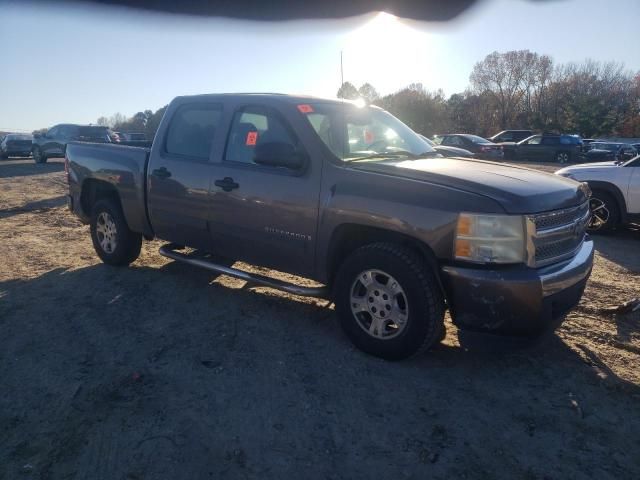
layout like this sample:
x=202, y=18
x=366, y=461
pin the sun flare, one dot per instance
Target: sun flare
x=384, y=50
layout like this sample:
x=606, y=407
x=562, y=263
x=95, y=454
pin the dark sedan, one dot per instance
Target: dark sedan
x=16, y=145
x=608, y=151
x=480, y=147
x=448, y=151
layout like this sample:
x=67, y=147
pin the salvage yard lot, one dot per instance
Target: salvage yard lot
x=165, y=371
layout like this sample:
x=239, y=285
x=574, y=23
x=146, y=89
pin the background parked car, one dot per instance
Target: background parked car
x=615, y=191
x=610, y=151
x=134, y=136
x=549, y=148
x=118, y=137
x=448, y=151
x=54, y=142
x=16, y=145
x=480, y=147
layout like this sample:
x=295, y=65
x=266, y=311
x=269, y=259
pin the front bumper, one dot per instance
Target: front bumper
x=517, y=300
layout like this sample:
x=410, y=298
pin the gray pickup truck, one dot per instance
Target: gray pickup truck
x=352, y=198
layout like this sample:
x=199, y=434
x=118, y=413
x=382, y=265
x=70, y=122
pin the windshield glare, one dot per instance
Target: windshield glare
x=353, y=133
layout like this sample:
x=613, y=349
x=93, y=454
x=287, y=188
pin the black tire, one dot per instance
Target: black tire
x=424, y=302
x=563, y=157
x=125, y=245
x=605, y=213
x=3, y=156
x=38, y=156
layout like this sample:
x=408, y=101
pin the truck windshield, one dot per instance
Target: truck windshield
x=364, y=133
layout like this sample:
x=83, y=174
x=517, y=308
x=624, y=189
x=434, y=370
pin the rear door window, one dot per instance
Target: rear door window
x=550, y=141
x=192, y=130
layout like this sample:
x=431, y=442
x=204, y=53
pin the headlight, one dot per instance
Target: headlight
x=490, y=238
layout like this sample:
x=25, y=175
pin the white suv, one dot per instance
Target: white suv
x=616, y=191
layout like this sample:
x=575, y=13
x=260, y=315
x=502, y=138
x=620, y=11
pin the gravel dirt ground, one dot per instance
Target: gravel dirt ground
x=163, y=371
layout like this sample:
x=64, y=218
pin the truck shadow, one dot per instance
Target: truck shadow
x=38, y=205
x=142, y=299
x=101, y=353
x=23, y=168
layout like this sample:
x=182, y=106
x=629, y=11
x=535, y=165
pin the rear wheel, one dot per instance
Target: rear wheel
x=605, y=214
x=562, y=157
x=112, y=240
x=38, y=156
x=388, y=301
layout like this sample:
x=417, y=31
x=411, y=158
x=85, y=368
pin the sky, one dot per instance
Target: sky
x=72, y=64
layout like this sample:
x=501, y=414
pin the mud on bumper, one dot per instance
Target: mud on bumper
x=517, y=300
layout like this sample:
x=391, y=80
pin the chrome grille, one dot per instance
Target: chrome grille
x=557, y=235
x=560, y=217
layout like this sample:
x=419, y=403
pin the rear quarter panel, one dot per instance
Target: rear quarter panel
x=122, y=167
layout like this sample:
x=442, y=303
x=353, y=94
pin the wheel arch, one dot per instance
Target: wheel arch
x=613, y=190
x=93, y=190
x=348, y=237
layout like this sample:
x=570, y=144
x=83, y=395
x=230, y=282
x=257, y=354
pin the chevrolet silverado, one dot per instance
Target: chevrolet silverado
x=349, y=196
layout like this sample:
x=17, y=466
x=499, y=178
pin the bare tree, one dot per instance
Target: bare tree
x=368, y=93
x=348, y=91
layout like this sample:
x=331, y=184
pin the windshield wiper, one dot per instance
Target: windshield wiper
x=394, y=154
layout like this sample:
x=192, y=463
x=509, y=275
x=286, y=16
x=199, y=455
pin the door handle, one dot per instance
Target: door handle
x=227, y=184
x=161, y=172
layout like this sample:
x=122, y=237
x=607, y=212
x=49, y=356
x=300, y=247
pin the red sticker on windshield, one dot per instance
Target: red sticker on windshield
x=305, y=108
x=368, y=136
x=252, y=138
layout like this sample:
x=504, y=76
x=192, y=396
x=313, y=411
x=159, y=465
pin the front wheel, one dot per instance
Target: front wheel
x=562, y=157
x=38, y=156
x=388, y=301
x=605, y=214
x=112, y=240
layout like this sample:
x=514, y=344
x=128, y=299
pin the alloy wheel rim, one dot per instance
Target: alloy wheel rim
x=599, y=214
x=106, y=232
x=379, y=304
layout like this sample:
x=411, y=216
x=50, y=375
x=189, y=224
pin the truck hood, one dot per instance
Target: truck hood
x=518, y=190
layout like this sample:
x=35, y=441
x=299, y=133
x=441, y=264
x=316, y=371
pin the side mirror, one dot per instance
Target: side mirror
x=278, y=154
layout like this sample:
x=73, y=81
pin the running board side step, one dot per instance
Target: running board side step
x=169, y=252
